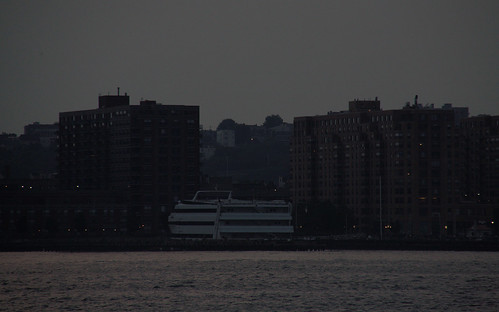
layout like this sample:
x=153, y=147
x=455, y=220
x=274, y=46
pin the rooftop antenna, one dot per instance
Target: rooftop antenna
x=118, y=91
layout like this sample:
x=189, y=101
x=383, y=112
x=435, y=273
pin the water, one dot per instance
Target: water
x=250, y=281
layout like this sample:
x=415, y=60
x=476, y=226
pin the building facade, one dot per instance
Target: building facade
x=226, y=138
x=398, y=172
x=149, y=152
x=45, y=134
x=480, y=174
x=37, y=209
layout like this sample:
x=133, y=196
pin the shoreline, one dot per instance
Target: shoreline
x=162, y=244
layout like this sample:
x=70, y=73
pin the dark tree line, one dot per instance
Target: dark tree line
x=270, y=121
x=255, y=161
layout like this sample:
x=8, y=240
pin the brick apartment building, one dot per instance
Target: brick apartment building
x=480, y=163
x=148, y=152
x=418, y=161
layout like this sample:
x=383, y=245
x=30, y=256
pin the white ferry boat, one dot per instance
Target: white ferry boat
x=215, y=214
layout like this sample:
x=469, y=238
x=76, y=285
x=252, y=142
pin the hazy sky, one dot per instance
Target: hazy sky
x=245, y=59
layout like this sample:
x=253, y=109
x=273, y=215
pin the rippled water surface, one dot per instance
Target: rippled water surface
x=250, y=281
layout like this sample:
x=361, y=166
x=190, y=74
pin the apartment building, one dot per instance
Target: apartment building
x=396, y=171
x=149, y=152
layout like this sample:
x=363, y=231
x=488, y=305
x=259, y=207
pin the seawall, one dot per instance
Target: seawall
x=162, y=244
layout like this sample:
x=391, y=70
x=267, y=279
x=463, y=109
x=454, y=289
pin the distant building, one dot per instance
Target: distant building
x=150, y=150
x=207, y=152
x=226, y=138
x=281, y=133
x=405, y=164
x=258, y=133
x=45, y=134
x=208, y=137
x=208, y=144
x=6, y=140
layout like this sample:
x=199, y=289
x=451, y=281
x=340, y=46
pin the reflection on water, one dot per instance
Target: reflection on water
x=259, y=281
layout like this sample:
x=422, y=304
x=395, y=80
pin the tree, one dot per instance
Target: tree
x=272, y=121
x=227, y=124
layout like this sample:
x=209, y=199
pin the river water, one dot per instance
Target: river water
x=250, y=281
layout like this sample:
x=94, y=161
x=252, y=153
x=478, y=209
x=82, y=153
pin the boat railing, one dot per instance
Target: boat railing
x=212, y=195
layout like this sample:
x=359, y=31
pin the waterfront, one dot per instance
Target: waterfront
x=250, y=281
x=102, y=244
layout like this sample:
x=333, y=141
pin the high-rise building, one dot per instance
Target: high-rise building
x=396, y=171
x=480, y=174
x=150, y=152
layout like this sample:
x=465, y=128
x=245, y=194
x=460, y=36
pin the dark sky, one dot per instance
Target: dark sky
x=246, y=59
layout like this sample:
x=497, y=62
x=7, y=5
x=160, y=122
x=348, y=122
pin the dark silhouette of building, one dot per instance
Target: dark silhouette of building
x=36, y=208
x=480, y=174
x=45, y=134
x=149, y=152
x=396, y=171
